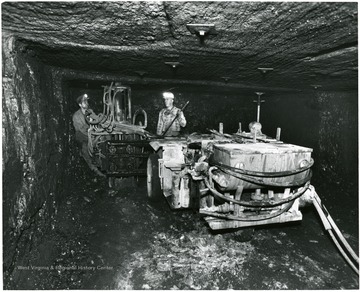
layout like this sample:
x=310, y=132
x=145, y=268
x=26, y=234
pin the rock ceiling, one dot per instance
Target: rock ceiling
x=305, y=44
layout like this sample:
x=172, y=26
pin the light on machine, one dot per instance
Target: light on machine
x=303, y=163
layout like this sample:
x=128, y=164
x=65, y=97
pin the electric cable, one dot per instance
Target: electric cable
x=230, y=170
x=294, y=196
x=261, y=173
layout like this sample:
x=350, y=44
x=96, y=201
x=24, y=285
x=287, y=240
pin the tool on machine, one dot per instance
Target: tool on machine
x=258, y=101
x=117, y=139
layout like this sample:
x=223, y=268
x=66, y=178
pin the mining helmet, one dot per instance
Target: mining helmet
x=81, y=98
x=168, y=95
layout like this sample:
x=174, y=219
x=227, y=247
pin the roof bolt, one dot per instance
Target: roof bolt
x=173, y=65
x=316, y=86
x=201, y=29
x=226, y=79
x=265, y=70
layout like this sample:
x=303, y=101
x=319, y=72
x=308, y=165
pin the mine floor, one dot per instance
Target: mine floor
x=114, y=239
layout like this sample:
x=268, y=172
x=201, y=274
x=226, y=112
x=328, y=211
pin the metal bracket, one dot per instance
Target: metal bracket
x=226, y=79
x=201, y=29
x=265, y=70
x=316, y=86
x=173, y=65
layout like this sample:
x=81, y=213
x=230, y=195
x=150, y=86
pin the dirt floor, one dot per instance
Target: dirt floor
x=114, y=239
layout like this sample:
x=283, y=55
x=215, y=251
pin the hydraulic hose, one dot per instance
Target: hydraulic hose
x=294, y=196
x=248, y=218
x=259, y=181
x=343, y=253
x=100, y=119
x=334, y=231
x=259, y=173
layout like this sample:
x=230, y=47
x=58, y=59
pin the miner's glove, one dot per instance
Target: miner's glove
x=178, y=114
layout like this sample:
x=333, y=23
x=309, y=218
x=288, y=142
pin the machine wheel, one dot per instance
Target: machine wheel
x=154, y=192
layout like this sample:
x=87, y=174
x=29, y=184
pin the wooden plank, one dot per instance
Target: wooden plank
x=218, y=224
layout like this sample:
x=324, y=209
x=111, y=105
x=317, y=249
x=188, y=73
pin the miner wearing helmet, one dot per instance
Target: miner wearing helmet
x=171, y=118
x=79, y=121
x=82, y=126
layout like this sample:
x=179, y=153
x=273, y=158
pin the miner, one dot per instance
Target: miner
x=171, y=118
x=81, y=126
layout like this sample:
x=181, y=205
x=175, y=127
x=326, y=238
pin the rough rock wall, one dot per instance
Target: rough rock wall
x=304, y=42
x=34, y=150
x=338, y=139
x=338, y=168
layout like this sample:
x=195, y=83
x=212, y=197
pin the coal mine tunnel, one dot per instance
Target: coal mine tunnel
x=290, y=67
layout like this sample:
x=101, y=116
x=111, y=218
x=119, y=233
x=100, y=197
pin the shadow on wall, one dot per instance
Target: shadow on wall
x=34, y=153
